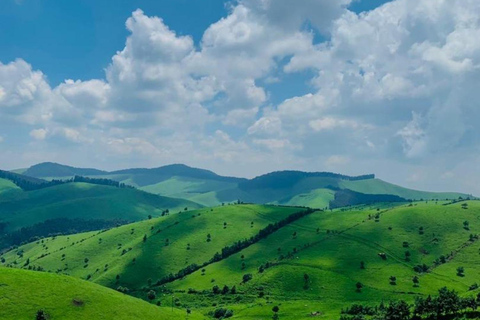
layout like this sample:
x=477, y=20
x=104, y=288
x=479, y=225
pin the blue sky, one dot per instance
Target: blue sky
x=245, y=87
x=41, y=31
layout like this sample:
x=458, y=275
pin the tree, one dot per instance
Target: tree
x=41, y=315
x=362, y=265
x=145, y=238
x=216, y=290
x=233, y=290
x=448, y=302
x=407, y=255
x=416, y=281
x=393, y=280
x=222, y=313
x=275, y=312
x=149, y=217
x=151, y=295
x=359, y=286
x=247, y=277
x=306, y=280
x=397, y=310
x=225, y=289
x=461, y=271
x=466, y=225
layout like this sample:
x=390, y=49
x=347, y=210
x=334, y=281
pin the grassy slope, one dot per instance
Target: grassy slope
x=25, y=292
x=329, y=247
x=333, y=273
x=318, y=198
x=80, y=200
x=200, y=191
x=7, y=185
x=153, y=258
x=377, y=186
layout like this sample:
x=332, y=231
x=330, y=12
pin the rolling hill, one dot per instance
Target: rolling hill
x=66, y=298
x=196, y=258
x=75, y=207
x=295, y=188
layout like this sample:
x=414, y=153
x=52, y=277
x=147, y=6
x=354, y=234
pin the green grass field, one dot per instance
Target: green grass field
x=24, y=293
x=85, y=201
x=328, y=246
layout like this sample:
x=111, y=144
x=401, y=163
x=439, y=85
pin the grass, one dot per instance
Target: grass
x=187, y=243
x=85, y=201
x=7, y=186
x=318, y=198
x=328, y=246
x=377, y=186
x=26, y=292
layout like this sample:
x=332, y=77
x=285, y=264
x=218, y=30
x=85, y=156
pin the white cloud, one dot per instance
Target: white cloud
x=266, y=125
x=240, y=117
x=39, y=134
x=164, y=99
x=328, y=123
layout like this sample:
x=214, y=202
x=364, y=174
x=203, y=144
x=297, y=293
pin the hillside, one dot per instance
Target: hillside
x=172, y=243
x=54, y=209
x=7, y=185
x=295, y=188
x=297, y=267
x=65, y=298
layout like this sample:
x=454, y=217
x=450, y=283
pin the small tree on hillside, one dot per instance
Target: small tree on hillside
x=407, y=255
x=275, y=312
x=41, y=315
x=416, y=281
x=306, y=280
x=359, y=286
x=461, y=271
x=151, y=295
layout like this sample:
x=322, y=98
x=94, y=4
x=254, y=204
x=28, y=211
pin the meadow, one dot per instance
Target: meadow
x=310, y=266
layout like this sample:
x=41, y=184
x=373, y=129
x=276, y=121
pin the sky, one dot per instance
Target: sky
x=245, y=87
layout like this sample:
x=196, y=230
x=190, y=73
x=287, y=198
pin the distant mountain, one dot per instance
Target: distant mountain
x=312, y=189
x=50, y=169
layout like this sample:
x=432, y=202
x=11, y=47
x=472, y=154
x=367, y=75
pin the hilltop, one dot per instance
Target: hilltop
x=295, y=188
x=198, y=258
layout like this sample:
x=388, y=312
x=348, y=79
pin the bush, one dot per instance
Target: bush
x=247, y=277
x=222, y=313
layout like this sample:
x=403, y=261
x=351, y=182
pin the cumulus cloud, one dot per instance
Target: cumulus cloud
x=398, y=84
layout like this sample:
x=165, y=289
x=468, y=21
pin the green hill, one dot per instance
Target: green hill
x=310, y=263
x=54, y=209
x=50, y=169
x=313, y=189
x=7, y=186
x=24, y=293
